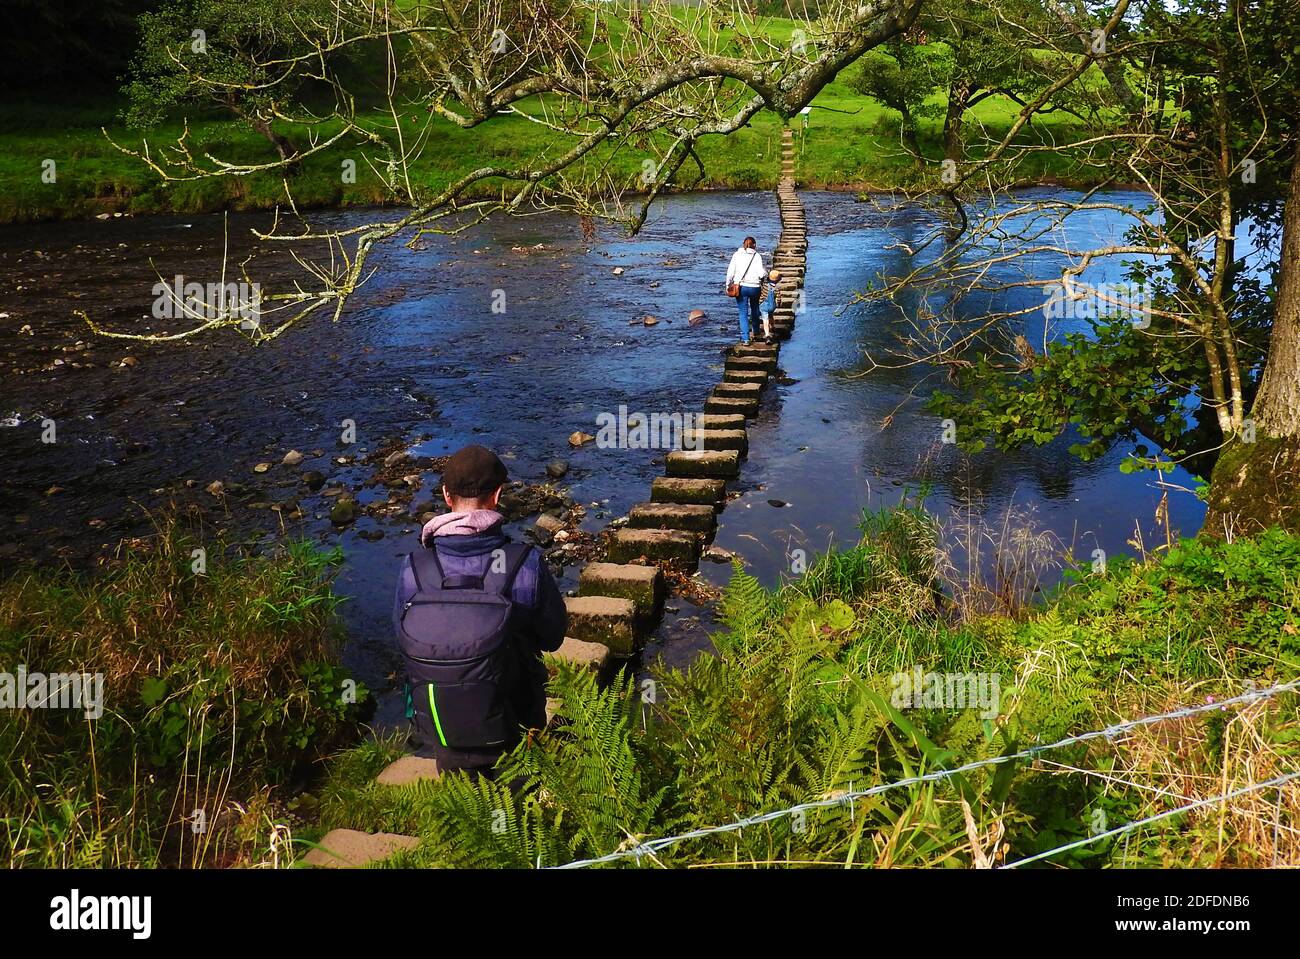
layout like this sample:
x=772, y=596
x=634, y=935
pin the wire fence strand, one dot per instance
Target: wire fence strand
x=650, y=847
x=1129, y=827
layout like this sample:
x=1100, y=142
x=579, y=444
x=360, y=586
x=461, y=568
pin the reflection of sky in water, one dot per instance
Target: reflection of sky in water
x=826, y=455
x=566, y=349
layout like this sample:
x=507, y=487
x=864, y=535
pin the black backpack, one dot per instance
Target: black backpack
x=461, y=666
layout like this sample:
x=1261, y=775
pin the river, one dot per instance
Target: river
x=421, y=356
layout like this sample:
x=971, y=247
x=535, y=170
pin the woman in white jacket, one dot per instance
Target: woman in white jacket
x=744, y=280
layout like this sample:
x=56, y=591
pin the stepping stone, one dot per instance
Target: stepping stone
x=754, y=349
x=713, y=464
x=348, y=848
x=688, y=516
x=602, y=619
x=408, y=769
x=656, y=545
x=747, y=391
x=576, y=652
x=729, y=404
x=745, y=376
x=723, y=421
x=761, y=363
x=672, y=489
x=642, y=585
x=716, y=440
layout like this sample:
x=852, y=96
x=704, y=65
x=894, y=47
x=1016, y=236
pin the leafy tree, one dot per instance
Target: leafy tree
x=1212, y=373
x=903, y=75
x=987, y=58
x=227, y=54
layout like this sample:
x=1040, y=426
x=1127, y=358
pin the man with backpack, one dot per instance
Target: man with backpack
x=474, y=612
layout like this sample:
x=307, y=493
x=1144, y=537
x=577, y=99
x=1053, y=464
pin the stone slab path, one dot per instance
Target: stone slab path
x=620, y=599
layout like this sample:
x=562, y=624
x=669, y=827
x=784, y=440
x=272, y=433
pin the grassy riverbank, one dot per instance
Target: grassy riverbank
x=221, y=687
x=798, y=705
x=220, y=681
x=852, y=142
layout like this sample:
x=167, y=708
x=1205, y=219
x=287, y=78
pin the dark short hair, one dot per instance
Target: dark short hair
x=473, y=472
x=749, y=240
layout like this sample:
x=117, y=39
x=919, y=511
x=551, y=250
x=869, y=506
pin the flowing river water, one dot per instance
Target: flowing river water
x=421, y=358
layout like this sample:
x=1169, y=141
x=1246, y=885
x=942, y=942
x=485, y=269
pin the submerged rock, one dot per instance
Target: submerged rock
x=716, y=554
x=343, y=512
x=556, y=468
x=291, y=458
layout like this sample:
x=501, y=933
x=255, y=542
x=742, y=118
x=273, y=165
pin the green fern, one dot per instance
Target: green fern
x=743, y=611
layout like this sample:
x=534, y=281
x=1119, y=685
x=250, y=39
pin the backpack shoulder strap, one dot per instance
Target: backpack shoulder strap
x=427, y=568
x=516, y=554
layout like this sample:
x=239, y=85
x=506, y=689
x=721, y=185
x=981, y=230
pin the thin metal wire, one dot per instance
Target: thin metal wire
x=1129, y=827
x=847, y=798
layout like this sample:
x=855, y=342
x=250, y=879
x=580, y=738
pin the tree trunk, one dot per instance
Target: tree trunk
x=281, y=144
x=907, y=132
x=959, y=92
x=1256, y=481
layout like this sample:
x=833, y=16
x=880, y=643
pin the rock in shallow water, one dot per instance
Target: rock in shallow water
x=343, y=512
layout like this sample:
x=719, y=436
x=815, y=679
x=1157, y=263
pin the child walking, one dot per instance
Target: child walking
x=769, y=303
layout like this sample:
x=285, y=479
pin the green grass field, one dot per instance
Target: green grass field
x=851, y=142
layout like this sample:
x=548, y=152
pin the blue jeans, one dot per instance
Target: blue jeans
x=747, y=307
